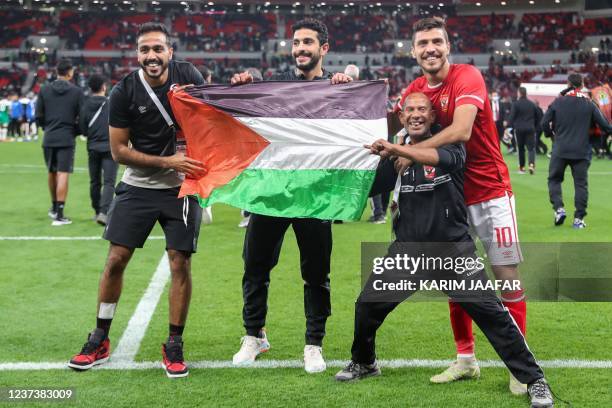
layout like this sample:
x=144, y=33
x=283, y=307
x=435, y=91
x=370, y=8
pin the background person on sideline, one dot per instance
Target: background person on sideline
x=93, y=122
x=524, y=119
x=568, y=119
x=57, y=111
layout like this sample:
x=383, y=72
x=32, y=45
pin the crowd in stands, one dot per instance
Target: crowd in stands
x=228, y=32
x=17, y=25
x=12, y=78
x=369, y=32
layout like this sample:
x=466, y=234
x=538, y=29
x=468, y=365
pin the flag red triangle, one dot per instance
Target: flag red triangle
x=225, y=145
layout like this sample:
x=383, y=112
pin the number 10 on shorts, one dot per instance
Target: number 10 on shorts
x=504, y=237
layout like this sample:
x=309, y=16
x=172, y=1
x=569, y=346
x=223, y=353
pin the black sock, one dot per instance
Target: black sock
x=104, y=324
x=176, y=330
x=60, y=209
x=54, y=206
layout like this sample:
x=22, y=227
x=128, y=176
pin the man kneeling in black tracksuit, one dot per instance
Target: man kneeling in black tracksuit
x=432, y=210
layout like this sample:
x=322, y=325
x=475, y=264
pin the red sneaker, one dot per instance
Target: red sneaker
x=95, y=352
x=172, y=353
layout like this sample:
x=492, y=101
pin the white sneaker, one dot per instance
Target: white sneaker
x=244, y=222
x=313, y=359
x=457, y=371
x=207, y=216
x=516, y=387
x=58, y=222
x=251, y=347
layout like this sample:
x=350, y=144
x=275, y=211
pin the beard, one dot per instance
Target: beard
x=310, y=65
x=156, y=71
x=435, y=68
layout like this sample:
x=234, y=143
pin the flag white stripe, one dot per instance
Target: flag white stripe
x=311, y=157
x=301, y=144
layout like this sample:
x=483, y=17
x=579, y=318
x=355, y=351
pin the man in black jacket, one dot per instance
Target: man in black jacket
x=524, y=119
x=569, y=118
x=264, y=235
x=57, y=110
x=93, y=122
x=433, y=221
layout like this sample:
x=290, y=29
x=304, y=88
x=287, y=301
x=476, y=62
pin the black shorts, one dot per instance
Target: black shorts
x=59, y=159
x=135, y=210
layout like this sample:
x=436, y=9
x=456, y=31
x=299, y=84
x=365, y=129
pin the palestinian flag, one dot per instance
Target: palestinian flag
x=286, y=149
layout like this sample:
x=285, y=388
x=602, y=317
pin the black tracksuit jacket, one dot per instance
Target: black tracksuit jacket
x=431, y=201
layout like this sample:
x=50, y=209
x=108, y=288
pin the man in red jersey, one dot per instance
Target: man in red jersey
x=459, y=96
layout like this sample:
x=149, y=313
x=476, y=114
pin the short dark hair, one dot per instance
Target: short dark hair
x=314, y=25
x=63, y=67
x=151, y=27
x=96, y=82
x=205, y=72
x=426, y=24
x=575, y=80
x=523, y=91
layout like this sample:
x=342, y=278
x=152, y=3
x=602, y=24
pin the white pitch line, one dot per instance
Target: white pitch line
x=263, y=364
x=49, y=238
x=137, y=326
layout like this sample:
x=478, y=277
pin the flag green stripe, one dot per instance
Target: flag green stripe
x=327, y=194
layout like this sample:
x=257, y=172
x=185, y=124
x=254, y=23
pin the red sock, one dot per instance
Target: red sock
x=515, y=302
x=461, y=323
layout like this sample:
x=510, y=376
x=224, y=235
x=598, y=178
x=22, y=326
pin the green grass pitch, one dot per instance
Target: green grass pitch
x=49, y=292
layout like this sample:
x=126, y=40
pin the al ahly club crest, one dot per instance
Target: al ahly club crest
x=444, y=102
x=430, y=172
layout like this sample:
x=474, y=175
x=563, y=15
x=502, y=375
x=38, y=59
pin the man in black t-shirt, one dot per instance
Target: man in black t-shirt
x=264, y=235
x=140, y=116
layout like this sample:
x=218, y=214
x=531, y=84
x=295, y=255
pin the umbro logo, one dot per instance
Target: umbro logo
x=142, y=109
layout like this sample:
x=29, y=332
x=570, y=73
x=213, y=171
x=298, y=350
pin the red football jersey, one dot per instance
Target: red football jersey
x=486, y=173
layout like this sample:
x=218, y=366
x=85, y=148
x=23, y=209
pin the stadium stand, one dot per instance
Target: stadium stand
x=375, y=38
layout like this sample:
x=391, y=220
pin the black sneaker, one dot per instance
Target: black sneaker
x=59, y=221
x=52, y=213
x=172, y=353
x=355, y=371
x=540, y=394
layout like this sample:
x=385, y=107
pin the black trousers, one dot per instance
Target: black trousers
x=14, y=128
x=556, y=174
x=102, y=168
x=381, y=203
x=486, y=311
x=526, y=138
x=541, y=147
x=262, y=245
